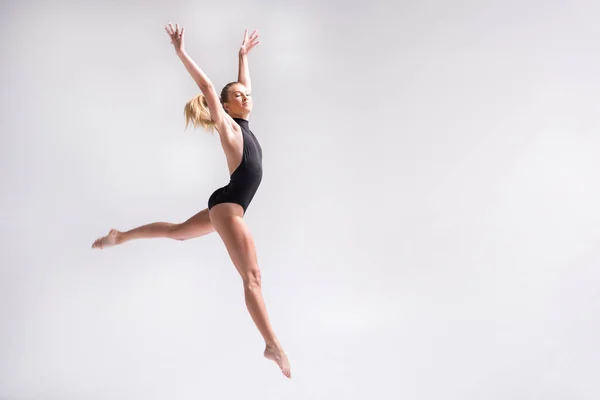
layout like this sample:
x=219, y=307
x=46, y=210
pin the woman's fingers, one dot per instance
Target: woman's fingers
x=176, y=35
x=251, y=38
x=250, y=41
x=175, y=32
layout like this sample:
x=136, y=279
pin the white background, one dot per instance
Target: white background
x=427, y=226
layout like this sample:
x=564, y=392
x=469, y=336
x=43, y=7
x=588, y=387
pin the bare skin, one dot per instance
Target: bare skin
x=238, y=240
x=225, y=218
x=196, y=226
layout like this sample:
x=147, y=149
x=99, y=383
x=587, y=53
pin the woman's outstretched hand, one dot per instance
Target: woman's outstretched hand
x=176, y=35
x=249, y=42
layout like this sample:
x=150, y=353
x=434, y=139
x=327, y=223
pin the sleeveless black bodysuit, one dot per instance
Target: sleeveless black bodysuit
x=246, y=178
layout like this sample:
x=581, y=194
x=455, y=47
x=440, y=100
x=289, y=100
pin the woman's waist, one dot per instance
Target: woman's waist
x=246, y=172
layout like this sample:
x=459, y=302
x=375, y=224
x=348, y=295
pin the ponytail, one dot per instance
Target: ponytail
x=196, y=111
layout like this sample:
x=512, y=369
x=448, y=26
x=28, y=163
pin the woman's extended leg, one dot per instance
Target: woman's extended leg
x=227, y=218
x=194, y=227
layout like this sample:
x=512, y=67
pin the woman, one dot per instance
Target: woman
x=227, y=205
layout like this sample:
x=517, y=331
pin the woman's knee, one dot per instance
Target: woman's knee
x=177, y=232
x=252, y=278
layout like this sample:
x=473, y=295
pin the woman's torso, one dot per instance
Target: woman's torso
x=242, y=151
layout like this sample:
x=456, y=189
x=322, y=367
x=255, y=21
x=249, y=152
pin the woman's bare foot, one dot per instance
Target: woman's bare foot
x=275, y=353
x=107, y=241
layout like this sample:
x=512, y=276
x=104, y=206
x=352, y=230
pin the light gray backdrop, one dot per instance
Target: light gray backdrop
x=427, y=227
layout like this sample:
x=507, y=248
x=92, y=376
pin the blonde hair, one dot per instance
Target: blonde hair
x=196, y=110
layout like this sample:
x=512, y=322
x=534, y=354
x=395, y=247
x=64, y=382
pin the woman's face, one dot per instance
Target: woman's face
x=239, y=102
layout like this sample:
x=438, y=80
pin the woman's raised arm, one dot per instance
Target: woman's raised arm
x=243, y=70
x=217, y=112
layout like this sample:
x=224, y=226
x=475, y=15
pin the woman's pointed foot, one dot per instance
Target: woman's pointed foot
x=276, y=353
x=107, y=241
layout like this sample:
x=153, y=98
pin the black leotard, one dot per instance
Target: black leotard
x=246, y=178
